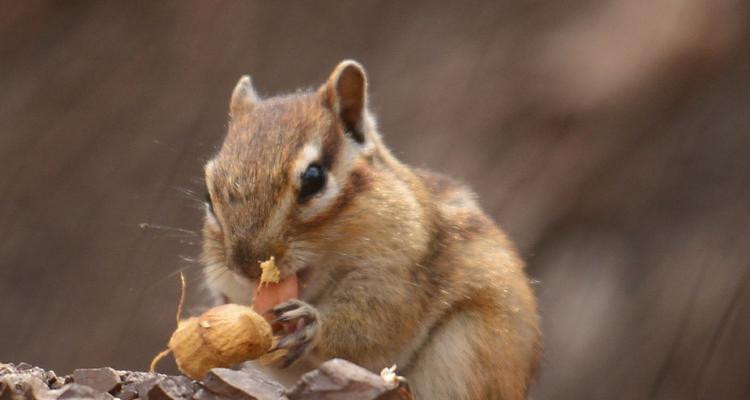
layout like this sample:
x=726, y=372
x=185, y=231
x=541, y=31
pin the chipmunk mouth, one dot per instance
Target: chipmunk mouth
x=236, y=287
x=273, y=290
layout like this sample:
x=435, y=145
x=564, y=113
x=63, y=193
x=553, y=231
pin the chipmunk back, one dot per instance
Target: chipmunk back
x=396, y=265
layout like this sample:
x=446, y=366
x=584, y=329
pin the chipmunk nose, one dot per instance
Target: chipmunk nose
x=245, y=261
x=247, y=258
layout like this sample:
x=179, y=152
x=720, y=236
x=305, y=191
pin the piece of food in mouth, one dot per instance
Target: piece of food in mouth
x=272, y=291
x=269, y=295
x=222, y=337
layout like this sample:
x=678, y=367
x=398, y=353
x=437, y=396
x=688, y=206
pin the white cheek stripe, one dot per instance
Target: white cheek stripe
x=321, y=202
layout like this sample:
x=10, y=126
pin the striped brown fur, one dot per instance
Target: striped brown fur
x=403, y=265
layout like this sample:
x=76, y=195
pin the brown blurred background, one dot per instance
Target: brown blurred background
x=610, y=138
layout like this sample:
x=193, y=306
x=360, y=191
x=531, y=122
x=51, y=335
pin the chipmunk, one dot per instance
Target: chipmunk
x=397, y=265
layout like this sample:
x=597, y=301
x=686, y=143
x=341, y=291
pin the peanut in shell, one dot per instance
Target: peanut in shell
x=222, y=337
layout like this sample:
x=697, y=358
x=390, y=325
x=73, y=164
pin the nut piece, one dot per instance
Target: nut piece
x=222, y=337
x=269, y=272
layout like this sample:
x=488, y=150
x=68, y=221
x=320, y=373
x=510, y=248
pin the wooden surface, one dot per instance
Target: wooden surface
x=611, y=139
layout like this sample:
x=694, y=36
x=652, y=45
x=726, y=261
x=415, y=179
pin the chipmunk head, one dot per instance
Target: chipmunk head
x=289, y=167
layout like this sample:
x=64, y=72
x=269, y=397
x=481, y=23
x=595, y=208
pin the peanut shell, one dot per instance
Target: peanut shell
x=222, y=337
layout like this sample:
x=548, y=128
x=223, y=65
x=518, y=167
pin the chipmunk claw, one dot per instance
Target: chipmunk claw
x=299, y=324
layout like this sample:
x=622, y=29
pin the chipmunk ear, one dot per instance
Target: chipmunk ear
x=345, y=92
x=243, y=96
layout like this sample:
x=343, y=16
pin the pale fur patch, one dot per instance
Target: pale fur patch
x=352, y=152
x=222, y=280
x=310, y=153
x=442, y=367
x=211, y=219
x=208, y=171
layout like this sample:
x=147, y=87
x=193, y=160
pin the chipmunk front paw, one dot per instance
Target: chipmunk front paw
x=299, y=324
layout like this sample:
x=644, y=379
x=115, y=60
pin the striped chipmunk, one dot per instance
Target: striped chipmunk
x=390, y=264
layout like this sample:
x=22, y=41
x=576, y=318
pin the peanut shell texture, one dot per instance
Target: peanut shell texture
x=222, y=337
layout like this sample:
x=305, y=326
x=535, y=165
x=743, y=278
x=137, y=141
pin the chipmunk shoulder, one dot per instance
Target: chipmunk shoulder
x=396, y=265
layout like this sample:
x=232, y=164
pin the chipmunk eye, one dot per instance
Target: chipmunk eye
x=313, y=180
